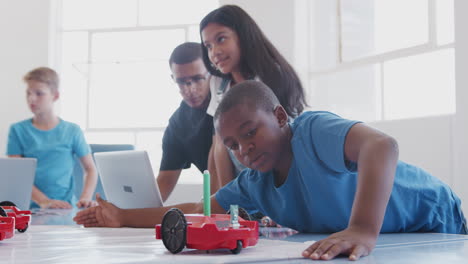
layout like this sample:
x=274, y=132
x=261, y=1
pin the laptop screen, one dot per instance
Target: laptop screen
x=128, y=179
x=16, y=180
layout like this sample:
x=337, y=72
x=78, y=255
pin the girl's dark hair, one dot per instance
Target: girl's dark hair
x=258, y=58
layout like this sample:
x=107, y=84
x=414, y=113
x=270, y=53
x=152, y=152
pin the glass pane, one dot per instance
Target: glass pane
x=194, y=34
x=174, y=12
x=135, y=45
x=371, y=27
x=445, y=21
x=74, y=77
x=110, y=138
x=353, y=94
x=87, y=14
x=421, y=85
x=151, y=141
x=323, y=34
x=139, y=94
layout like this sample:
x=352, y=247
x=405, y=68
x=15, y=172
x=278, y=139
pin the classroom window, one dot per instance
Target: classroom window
x=382, y=59
x=113, y=60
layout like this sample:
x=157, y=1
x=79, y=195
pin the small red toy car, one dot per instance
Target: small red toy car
x=22, y=217
x=7, y=225
x=202, y=232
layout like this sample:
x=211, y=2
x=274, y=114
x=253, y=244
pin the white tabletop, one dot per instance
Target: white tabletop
x=75, y=244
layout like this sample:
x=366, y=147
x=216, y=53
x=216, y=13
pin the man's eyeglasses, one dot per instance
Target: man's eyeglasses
x=195, y=79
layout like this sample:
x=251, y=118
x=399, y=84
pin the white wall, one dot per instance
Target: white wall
x=24, y=33
x=424, y=142
x=461, y=118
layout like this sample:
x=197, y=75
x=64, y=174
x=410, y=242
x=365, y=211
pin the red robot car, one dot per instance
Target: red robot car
x=202, y=232
x=206, y=231
x=22, y=217
x=7, y=225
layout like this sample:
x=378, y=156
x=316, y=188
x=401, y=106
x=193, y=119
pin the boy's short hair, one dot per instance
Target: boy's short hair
x=185, y=53
x=45, y=75
x=254, y=94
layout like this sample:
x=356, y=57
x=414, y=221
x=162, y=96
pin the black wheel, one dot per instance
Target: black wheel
x=2, y=212
x=238, y=249
x=174, y=230
x=24, y=229
x=7, y=203
x=243, y=214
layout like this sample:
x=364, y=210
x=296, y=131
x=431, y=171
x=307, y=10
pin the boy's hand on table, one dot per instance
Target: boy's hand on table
x=104, y=215
x=355, y=243
x=85, y=203
x=55, y=204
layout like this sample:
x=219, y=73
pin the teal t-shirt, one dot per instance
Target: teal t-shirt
x=55, y=151
x=318, y=194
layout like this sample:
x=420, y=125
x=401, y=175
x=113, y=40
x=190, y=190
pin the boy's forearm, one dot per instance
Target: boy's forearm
x=149, y=217
x=90, y=182
x=377, y=165
x=38, y=197
x=89, y=177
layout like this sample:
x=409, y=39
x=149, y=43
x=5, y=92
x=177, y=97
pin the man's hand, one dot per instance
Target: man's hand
x=104, y=215
x=353, y=242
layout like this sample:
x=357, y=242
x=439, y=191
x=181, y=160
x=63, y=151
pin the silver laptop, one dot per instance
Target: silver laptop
x=127, y=179
x=16, y=180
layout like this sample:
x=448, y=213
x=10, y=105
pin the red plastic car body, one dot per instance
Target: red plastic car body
x=7, y=227
x=207, y=232
x=22, y=217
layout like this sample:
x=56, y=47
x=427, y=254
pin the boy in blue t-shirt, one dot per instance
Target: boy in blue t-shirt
x=320, y=174
x=53, y=142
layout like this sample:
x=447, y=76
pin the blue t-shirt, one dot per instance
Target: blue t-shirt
x=318, y=194
x=54, y=150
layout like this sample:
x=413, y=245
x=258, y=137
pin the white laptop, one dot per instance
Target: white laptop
x=127, y=179
x=16, y=180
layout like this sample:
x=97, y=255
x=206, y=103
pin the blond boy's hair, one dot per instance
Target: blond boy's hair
x=45, y=75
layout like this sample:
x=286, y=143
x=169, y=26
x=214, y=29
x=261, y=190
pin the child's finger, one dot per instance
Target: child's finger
x=99, y=198
x=322, y=249
x=84, y=204
x=306, y=253
x=65, y=205
x=358, y=252
x=336, y=249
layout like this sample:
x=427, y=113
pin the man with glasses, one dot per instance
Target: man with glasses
x=188, y=136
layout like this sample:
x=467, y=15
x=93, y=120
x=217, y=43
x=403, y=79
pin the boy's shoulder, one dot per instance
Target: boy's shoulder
x=23, y=123
x=321, y=123
x=310, y=116
x=69, y=125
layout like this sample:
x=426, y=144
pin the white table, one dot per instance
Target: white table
x=75, y=244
